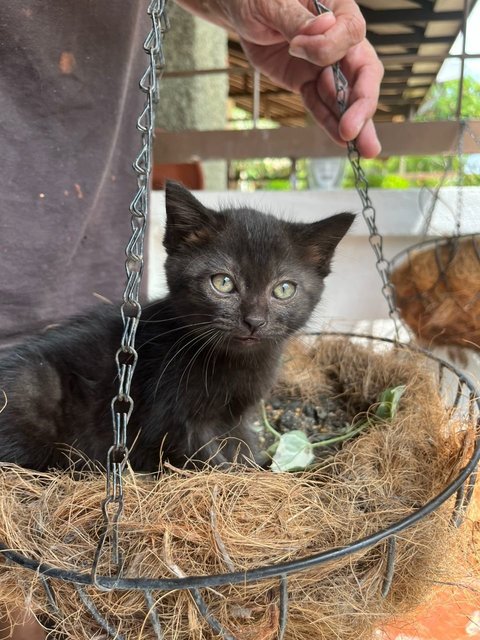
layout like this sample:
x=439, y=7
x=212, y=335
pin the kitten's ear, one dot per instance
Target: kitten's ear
x=319, y=239
x=189, y=223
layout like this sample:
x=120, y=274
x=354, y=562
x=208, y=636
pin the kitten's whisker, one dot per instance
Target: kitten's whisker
x=164, y=333
x=189, y=366
x=191, y=362
x=207, y=360
x=213, y=349
x=175, y=355
x=185, y=315
x=179, y=340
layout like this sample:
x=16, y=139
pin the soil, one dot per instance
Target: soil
x=325, y=419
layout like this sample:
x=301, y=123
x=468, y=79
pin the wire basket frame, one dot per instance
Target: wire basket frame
x=437, y=290
x=460, y=396
x=465, y=399
x=437, y=280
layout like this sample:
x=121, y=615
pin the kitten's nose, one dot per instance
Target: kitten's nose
x=255, y=322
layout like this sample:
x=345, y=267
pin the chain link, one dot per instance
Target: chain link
x=361, y=186
x=126, y=357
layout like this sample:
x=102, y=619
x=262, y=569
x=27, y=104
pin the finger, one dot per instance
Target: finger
x=347, y=31
x=364, y=70
x=361, y=95
x=287, y=17
x=355, y=118
x=327, y=89
x=364, y=89
x=326, y=117
x=367, y=141
x=320, y=98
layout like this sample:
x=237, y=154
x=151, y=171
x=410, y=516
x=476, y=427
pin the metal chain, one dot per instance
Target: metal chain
x=361, y=186
x=127, y=356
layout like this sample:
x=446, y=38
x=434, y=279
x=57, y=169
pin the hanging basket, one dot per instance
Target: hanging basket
x=437, y=286
x=249, y=554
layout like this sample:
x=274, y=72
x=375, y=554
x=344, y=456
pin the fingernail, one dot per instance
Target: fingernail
x=298, y=52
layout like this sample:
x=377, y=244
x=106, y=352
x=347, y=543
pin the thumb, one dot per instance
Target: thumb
x=291, y=18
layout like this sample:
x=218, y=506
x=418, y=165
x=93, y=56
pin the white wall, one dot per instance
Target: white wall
x=353, y=289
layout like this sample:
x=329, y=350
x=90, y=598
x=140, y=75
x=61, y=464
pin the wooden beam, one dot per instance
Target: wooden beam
x=407, y=138
x=386, y=39
x=423, y=86
x=269, y=93
x=426, y=4
x=190, y=73
x=386, y=58
x=398, y=100
x=387, y=16
x=392, y=88
x=412, y=58
x=398, y=83
x=391, y=74
x=408, y=58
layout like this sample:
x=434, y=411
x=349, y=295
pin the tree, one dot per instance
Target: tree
x=442, y=100
x=441, y=104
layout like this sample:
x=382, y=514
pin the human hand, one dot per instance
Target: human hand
x=288, y=42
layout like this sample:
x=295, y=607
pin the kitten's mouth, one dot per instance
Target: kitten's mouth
x=247, y=340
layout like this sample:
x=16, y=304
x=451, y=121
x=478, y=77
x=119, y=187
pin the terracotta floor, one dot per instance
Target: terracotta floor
x=454, y=614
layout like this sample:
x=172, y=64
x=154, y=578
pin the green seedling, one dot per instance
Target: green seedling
x=293, y=451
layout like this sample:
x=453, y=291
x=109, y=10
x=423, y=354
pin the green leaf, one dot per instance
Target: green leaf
x=388, y=402
x=266, y=422
x=353, y=431
x=294, y=452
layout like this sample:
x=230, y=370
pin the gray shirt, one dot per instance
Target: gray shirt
x=69, y=99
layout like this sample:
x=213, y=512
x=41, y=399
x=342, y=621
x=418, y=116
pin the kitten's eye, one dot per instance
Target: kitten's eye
x=223, y=283
x=284, y=290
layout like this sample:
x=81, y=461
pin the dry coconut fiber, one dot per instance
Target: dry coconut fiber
x=438, y=292
x=215, y=521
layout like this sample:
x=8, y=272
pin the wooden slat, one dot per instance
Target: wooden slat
x=391, y=39
x=408, y=138
x=388, y=16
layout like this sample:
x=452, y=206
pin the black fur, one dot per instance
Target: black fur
x=205, y=358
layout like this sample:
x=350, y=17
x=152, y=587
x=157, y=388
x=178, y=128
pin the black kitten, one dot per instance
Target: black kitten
x=240, y=282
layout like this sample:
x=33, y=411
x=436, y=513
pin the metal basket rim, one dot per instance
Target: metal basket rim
x=424, y=244
x=284, y=568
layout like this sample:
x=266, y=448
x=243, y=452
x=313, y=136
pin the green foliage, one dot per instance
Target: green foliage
x=375, y=171
x=278, y=185
x=293, y=451
x=393, y=173
x=417, y=171
x=442, y=100
x=271, y=174
x=471, y=180
x=395, y=182
x=388, y=402
x=241, y=120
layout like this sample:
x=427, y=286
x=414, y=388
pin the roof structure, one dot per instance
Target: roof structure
x=412, y=39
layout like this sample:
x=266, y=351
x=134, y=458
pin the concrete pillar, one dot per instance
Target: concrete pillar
x=198, y=102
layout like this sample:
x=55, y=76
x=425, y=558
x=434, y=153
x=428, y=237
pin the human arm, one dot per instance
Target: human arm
x=294, y=47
